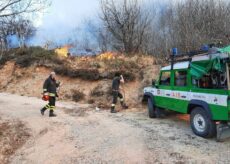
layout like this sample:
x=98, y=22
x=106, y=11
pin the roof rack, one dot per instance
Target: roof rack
x=174, y=57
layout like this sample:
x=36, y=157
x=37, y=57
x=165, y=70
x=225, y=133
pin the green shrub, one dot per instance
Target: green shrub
x=62, y=70
x=21, y=51
x=41, y=53
x=25, y=61
x=26, y=57
x=129, y=76
x=4, y=59
x=85, y=74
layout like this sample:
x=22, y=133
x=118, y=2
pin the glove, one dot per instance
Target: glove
x=45, y=94
x=58, y=84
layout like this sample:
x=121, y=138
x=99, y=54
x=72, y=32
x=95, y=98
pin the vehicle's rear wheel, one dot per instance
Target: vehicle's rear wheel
x=201, y=124
x=151, y=109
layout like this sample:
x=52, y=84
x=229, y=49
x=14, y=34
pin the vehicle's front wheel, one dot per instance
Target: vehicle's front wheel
x=201, y=124
x=151, y=109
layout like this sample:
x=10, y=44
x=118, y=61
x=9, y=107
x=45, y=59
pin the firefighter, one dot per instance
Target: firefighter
x=116, y=92
x=50, y=89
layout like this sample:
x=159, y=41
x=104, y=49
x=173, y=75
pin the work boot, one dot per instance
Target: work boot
x=52, y=114
x=125, y=106
x=43, y=111
x=113, y=110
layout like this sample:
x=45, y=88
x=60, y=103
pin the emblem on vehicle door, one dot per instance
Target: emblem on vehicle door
x=216, y=100
x=158, y=92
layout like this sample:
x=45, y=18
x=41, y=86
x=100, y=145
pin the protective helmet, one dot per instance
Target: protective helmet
x=45, y=97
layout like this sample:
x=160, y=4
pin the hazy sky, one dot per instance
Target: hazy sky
x=62, y=17
x=65, y=15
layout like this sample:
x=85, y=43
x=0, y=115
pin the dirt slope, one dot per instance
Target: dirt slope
x=28, y=81
x=81, y=135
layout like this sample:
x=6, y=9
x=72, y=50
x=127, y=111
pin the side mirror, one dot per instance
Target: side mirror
x=154, y=84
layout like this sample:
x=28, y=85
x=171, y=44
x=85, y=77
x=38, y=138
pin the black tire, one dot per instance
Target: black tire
x=201, y=124
x=151, y=109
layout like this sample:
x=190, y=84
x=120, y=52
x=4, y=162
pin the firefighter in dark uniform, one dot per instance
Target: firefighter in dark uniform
x=50, y=88
x=116, y=92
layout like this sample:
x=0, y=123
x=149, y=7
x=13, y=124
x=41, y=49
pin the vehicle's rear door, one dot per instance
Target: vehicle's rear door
x=180, y=90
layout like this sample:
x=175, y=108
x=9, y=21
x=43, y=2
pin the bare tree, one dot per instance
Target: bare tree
x=189, y=24
x=104, y=39
x=17, y=7
x=127, y=23
x=20, y=27
x=13, y=19
x=5, y=30
x=24, y=29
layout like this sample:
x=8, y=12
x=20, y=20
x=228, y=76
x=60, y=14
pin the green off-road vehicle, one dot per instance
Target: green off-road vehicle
x=199, y=85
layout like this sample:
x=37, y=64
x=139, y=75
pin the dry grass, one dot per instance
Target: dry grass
x=85, y=74
x=85, y=68
x=77, y=95
x=97, y=91
x=101, y=95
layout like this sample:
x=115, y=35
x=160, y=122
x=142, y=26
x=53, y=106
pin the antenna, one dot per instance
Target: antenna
x=174, y=53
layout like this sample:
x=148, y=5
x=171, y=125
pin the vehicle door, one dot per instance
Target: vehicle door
x=163, y=94
x=180, y=91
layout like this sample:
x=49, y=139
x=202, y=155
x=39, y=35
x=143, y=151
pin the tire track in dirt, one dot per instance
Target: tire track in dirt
x=81, y=135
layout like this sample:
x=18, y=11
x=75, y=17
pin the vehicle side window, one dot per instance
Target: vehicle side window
x=165, y=78
x=212, y=80
x=181, y=78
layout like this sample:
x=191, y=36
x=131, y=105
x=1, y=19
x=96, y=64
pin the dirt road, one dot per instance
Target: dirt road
x=82, y=135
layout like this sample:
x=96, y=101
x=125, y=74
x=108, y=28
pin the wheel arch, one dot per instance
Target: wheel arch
x=199, y=103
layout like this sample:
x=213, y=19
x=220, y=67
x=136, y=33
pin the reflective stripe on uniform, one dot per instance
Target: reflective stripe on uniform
x=52, y=94
x=52, y=107
x=44, y=89
x=113, y=105
x=47, y=106
x=121, y=100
